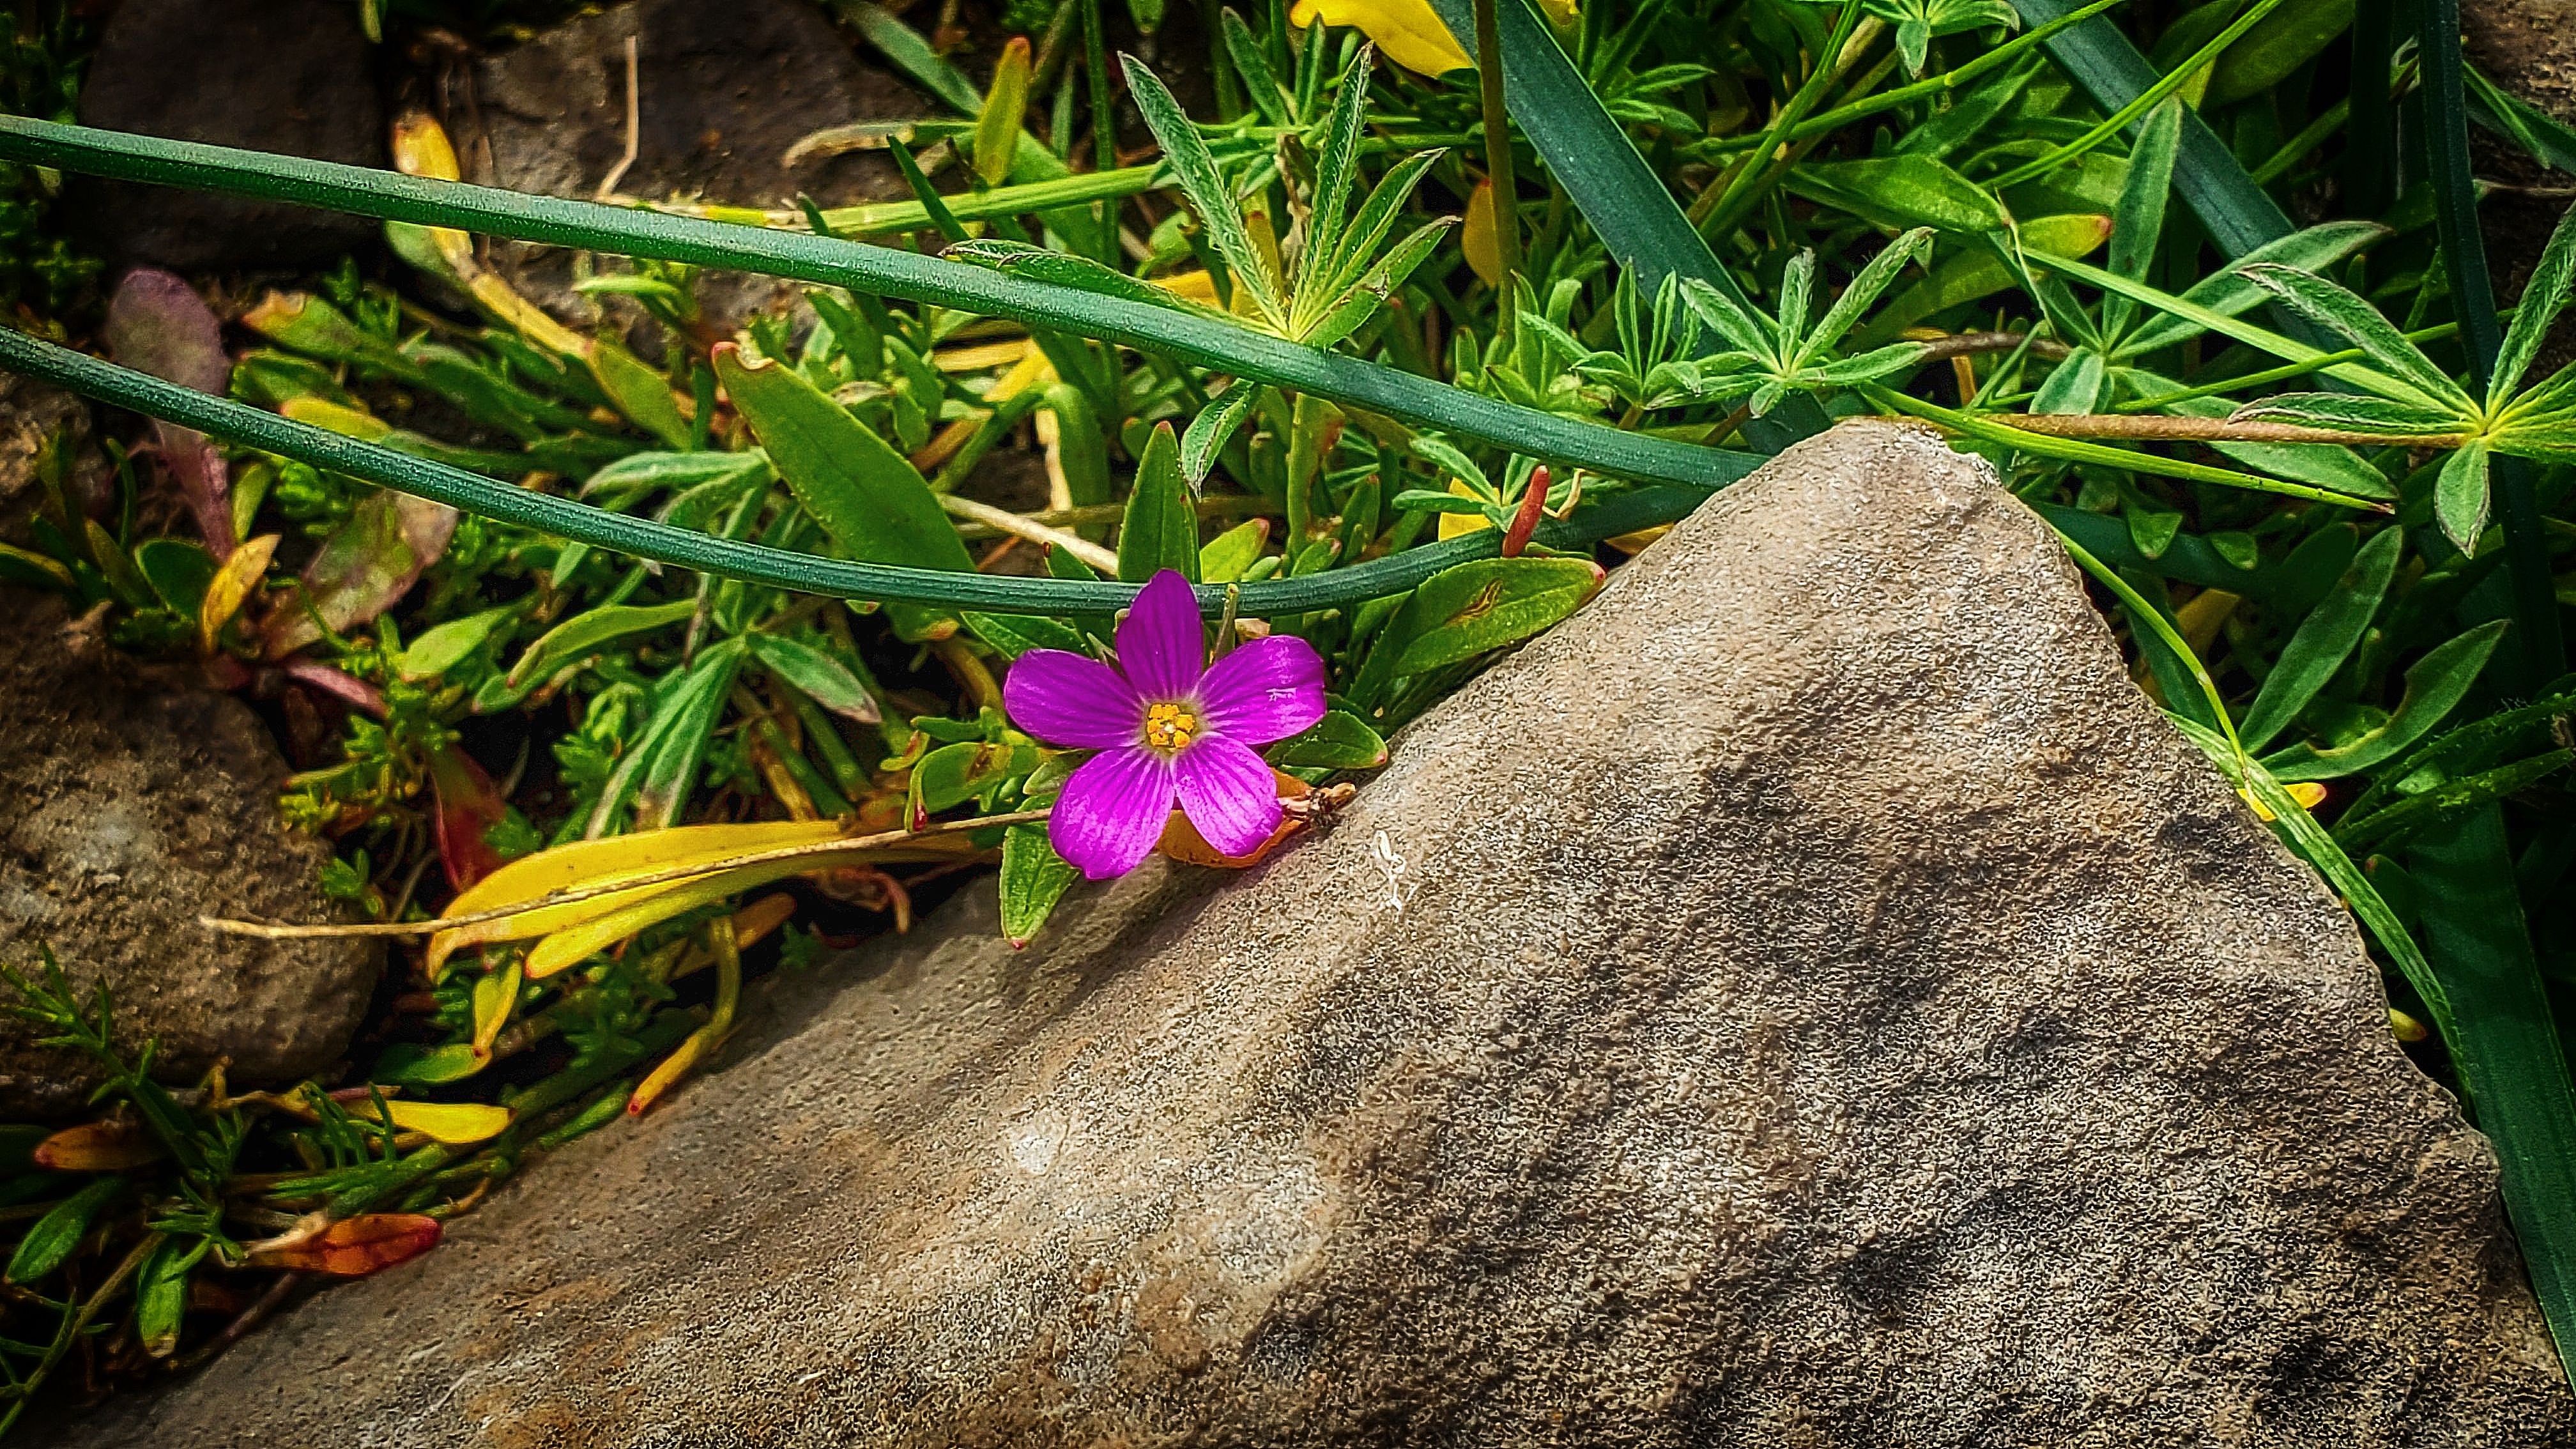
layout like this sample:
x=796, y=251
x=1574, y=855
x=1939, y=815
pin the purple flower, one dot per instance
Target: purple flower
x=1169, y=726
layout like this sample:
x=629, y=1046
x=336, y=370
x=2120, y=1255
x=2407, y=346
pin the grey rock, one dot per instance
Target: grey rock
x=2529, y=48
x=1821, y=1004
x=130, y=812
x=723, y=92
x=293, y=76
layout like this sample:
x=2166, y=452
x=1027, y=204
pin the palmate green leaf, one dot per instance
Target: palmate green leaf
x=2434, y=687
x=1873, y=279
x=1260, y=82
x=2505, y=1043
x=1214, y=425
x=1161, y=530
x=1358, y=244
x=1868, y=367
x=1381, y=282
x=2543, y=298
x=1335, y=170
x=2324, y=639
x=2350, y=315
x=1748, y=331
x=1195, y=168
x=2460, y=495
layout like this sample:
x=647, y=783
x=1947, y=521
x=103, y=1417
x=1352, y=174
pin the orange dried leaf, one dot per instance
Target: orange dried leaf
x=105, y=1146
x=352, y=1248
x=1182, y=841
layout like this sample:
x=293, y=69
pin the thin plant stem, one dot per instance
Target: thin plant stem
x=1498, y=167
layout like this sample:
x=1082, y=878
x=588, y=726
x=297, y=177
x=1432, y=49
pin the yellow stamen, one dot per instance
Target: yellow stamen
x=1169, y=727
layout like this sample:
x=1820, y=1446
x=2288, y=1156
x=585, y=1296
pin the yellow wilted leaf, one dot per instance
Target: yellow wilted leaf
x=1458, y=525
x=494, y=996
x=997, y=129
x=454, y=1123
x=578, y=943
x=113, y=1145
x=1478, y=238
x=589, y=864
x=2309, y=793
x=231, y=587
x=1407, y=31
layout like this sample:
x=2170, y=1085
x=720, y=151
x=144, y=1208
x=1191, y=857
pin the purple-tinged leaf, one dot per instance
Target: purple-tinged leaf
x=367, y=563
x=158, y=324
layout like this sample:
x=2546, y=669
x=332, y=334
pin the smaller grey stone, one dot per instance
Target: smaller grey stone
x=292, y=76
x=723, y=91
x=130, y=812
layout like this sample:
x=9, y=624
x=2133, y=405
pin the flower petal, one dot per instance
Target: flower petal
x=1227, y=793
x=1161, y=646
x=1072, y=701
x=1112, y=810
x=1266, y=689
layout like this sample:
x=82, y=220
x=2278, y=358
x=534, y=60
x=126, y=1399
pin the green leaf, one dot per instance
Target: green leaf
x=2138, y=223
x=50, y=1243
x=819, y=676
x=1368, y=231
x=177, y=570
x=2460, y=496
x=1161, y=529
x=2434, y=687
x=677, y=742
x=1363, y=300
x=409, y=1065
x=638, y=474
x=951, y=775
x=1335, y=170
x=1339, y=741
x=1230, y=553
x=1969, y=276
x=1215, y=424
x=1195, y=168
x=997, y=124
x=444, y=646
x=2227, y=293
x=2543, y=298
x=161, y=1295
x=2350, y=412
x=1474, y=608
x=1899, y=191
x=2349, y=314
x=593, y=629
x=639, y=392
x=1034, y=879
x=872, y=501
x=1012, y=635
x=2325, y=638
x=1873, y=279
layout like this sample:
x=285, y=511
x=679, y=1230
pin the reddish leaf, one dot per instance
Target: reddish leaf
x=158, y=324
x=104, y=1146
x=367, y=563
x=468, y=805
x=352, y=1248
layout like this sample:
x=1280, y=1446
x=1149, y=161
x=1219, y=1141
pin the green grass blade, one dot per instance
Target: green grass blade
x=2325, y=639
x=2506, y=1046
x=883, y=271
x=806, y=573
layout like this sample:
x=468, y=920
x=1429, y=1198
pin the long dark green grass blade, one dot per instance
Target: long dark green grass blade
x=2541, y=652
x=2238, y=215
x=883, y=271
x=807, y=573
x=2507, y=1048
x=2370, y=146
x=1629, y=208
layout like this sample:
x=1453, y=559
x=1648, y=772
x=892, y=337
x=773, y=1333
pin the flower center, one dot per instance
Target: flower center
x=1169, y=727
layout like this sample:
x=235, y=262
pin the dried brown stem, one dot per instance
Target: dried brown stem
x=2161, y=428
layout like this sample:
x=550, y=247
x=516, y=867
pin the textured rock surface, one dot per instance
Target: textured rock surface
x=128, y=813
x=2529, y=48
x=723, y=91
x=1827, y=1006
x=273, y=75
